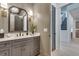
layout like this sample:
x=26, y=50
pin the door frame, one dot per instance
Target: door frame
x=51, y=28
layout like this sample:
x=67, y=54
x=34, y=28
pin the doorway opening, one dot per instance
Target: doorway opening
x=69, y=31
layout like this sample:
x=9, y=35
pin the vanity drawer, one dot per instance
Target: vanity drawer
x=5, y=44
x=16, y=42
x=5, y=52
x=27, y=39
x=37, y=37
x=19, y=41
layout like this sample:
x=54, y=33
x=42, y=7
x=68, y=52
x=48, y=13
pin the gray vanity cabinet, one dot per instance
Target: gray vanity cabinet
x=16, y=47
x=27, y=47
x=21, y=47
x=16, y=51
x=36, y=45
x=5, y=52
x=5, y=48
x=25, y=50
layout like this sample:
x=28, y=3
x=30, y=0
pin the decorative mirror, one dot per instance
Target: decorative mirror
x=18, y=19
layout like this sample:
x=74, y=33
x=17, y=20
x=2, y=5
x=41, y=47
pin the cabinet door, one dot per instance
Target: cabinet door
x=25, y=50
x=27, y=47
x=37, y=43
x=16, y=51
x=31, y=48
x=5, y=52
x=36, y=46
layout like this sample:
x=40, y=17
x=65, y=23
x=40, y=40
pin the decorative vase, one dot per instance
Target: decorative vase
x=32, y=32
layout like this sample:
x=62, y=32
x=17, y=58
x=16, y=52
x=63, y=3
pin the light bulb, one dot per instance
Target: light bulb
x=30, y=13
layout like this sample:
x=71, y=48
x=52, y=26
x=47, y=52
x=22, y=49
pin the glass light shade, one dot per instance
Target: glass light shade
x=14, y=10
x=30, y=13
x=4, y=5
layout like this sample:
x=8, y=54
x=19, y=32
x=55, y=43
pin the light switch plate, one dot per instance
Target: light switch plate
x=45, y=30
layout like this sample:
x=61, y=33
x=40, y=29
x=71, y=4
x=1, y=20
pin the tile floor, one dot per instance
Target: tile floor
x=67, y=49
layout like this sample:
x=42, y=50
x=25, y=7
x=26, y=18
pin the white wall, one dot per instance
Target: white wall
x=57, y=24
x=65, y=35
x=58, y=19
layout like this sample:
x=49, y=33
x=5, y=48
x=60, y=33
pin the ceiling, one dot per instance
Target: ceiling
x=20, y=5
x=75, y=13
x=59, y=4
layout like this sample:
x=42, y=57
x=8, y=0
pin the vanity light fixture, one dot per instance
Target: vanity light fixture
x=14, y=10
x=3, y=4
x=30, y=13
x=3, y=9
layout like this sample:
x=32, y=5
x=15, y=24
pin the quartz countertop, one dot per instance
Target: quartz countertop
x=19, y=37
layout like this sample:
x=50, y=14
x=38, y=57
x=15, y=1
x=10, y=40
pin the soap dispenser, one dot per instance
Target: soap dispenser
x=1, y=33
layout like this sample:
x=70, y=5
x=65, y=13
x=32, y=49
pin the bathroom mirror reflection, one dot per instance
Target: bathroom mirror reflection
x=18, y=19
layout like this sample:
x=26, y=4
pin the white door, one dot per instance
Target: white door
x=76, y=29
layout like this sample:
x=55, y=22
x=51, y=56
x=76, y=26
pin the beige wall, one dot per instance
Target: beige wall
x=4, y=24
x=42, y=18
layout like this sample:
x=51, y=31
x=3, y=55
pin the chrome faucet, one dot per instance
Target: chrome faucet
x=20, y=34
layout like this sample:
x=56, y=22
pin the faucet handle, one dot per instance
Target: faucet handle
x=20, y=34
x=17, y=34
